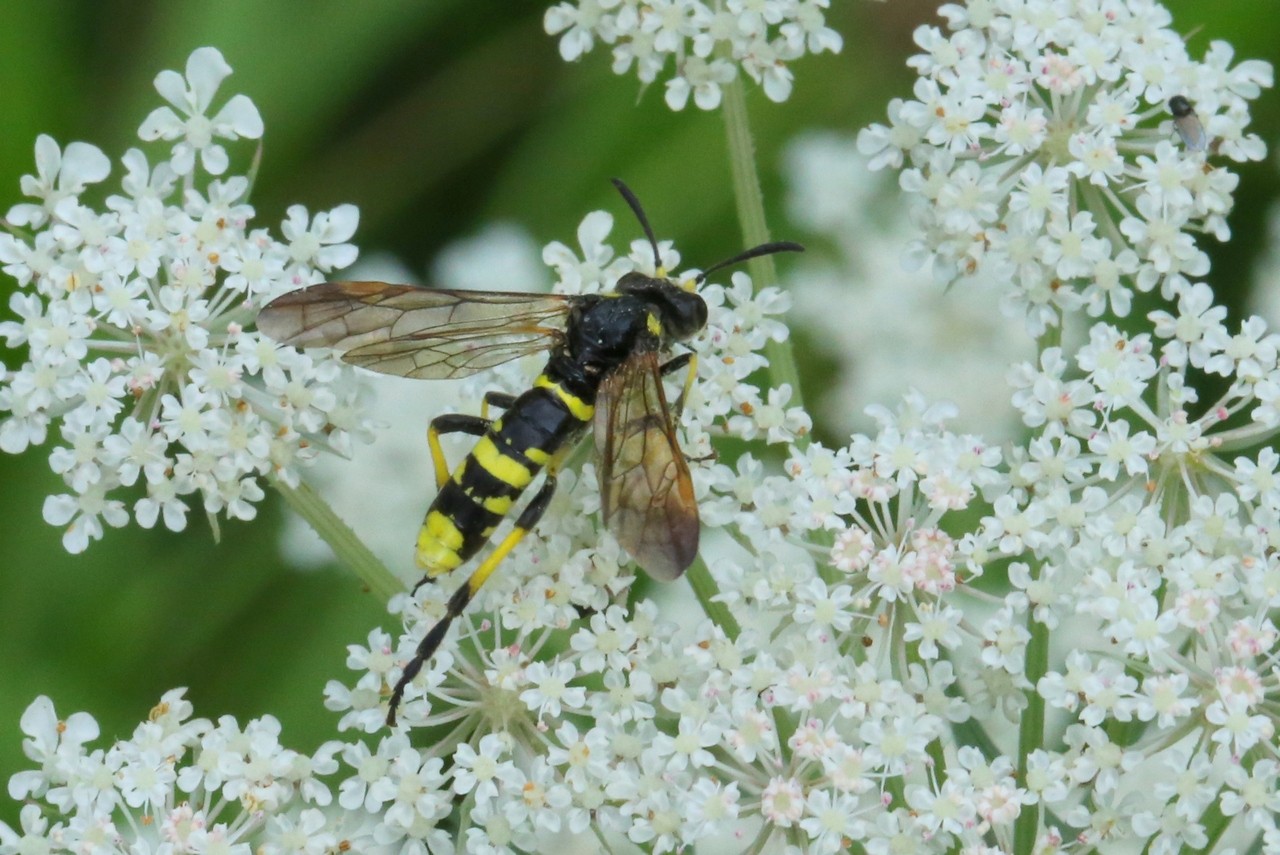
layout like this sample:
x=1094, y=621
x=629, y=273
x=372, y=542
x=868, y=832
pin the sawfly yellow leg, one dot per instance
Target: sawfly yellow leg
x=446, y=424
x=466, y=593
x=456, y=423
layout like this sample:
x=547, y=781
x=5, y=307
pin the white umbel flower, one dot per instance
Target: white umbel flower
x=192, y=94
x=176, y=784
x=136, y=318
x=706, y=43
x=1041, y=145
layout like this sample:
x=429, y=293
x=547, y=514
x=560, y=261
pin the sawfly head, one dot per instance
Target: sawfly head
x=683, y=312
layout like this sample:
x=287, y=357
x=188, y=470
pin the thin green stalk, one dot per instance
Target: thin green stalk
x=935, y=748
x=1215, y=824
x=755, y=230
x=1051, y=337
x=704, y=588
x=1031, y=728
x=782, y=363
x=350, y=550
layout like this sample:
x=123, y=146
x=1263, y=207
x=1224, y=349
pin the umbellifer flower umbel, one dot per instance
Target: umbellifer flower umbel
x=137, y=314
x=176, y=784
x=1042, y=148
x=707, y=44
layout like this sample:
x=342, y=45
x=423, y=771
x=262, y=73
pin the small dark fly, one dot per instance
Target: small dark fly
x=608, y=354
x=1187, y=124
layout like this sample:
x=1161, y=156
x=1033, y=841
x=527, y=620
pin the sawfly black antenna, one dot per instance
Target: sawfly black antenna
x=644, y=221
x=755, y=252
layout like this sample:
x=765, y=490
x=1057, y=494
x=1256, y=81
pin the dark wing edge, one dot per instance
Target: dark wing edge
x=646, y=493
x=408, y=331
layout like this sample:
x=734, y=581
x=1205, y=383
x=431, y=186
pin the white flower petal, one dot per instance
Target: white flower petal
x=48, y=157
x=82, y=164
x=335, y=257
x=341, y=225
x=175, y=516
x=173, y=89
x=161, y=124
x=240, y=118
x=707, y=97
x=295, y=222
x=206, y=69
x=556, y=254
x=58, y=510
x=557, y=19
x=214, y=159
x=183, y=159
x=77, y=536
x=677, y=93
x=26, y=214
x=594, y=229
x=39, y=720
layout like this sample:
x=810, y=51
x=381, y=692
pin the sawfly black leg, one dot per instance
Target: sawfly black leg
x=501, y=400
x=675, y=364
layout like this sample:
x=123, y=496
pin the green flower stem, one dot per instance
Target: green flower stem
x=1215, y=824
x=755, y=230
x=935, y=748
x=350, y=550
x=1051, y=337
x=782, y=362
x=1031, y=728
x=704, y=588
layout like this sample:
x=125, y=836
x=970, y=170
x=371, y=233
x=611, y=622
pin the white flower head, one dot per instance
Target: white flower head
x=888, y=328
x=59, y=175
x=137, y=315
x=1042, y=147
x=176, y=783
x=192, y=95
x=707, y=45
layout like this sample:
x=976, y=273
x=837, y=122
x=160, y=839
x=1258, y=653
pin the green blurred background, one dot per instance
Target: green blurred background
x=434, y=118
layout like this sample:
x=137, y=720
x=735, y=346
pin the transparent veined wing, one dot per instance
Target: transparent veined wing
x=646, y=493
x=417, y=332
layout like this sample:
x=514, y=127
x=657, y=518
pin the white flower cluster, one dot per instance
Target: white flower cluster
x=1145, y=536
x=1041, y=145
x=665, y=731
x=134, y=310
x=706, y=42
x=177, y=784
x=895, y=612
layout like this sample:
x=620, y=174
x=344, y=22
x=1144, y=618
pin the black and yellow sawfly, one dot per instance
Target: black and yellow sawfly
x=604, y=373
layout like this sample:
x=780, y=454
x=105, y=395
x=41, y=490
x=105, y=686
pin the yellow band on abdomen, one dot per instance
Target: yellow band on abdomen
x=581, y=410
